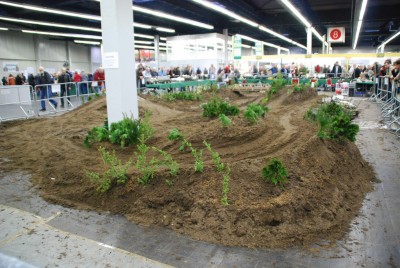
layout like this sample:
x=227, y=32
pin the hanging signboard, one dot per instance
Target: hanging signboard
x=237, y=47
x=259, y=49
x=336, y=35
x=10, y=67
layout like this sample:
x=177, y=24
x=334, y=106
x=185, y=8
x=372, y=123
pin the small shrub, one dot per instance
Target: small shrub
x=96, y=134
x=215, y=157
x=225, y=121
x=192, y=96
x=254, y=112
x=334, y=122
x=198, y=160
x=175, y=134
x=116, y=171
x=275, y=172
x=216, y=106
x=146, y=167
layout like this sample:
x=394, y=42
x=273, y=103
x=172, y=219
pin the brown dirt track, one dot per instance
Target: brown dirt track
x=327, y=180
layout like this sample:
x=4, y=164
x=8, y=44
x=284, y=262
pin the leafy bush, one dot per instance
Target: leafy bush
x=175, y=134
x=124, y=132
x=277, y=84
x=216, y=106
x=225, y=121
x=116, y=171
x=96, y=134
x=275, y=172
x=334, y=122
x=192, y=96
x=254, y=112
x=215, y=157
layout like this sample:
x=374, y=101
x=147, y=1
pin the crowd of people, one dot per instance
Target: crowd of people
x=66, y=78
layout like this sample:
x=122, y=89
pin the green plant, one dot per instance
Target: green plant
x=198, y=159
x=215, y=157
x=275, y=172
x=334, y=122
x=216, y=106
x=167, y=161
x=89, y=98
x=146, y=167
x=254, y=112
x=225, y=121
x=192, y=96
x=175, y=134
x=116, y=171
x=225, y=185
x=96, y=134
x=128, y=130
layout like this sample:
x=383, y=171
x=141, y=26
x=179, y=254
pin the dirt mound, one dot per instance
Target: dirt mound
x=327, y=180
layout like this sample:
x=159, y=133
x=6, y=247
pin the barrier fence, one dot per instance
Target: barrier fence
x=25, y=101
x=387, y=96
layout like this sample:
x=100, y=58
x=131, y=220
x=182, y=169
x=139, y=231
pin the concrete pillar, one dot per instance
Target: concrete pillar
x=323, y=44
x=68, y=50
x=383, y=48
x=226, y=60
x=309, y=41
x=157, y=50
x=119, y=59
x=279, y=51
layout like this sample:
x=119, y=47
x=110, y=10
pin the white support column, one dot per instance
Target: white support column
x=309, y=41
x=119, y=59
x=157, y=50
x=279, y=51
x=323, y=43
x=225, y=31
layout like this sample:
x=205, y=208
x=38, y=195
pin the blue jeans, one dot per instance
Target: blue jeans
x=83, y=89
x=46, y=93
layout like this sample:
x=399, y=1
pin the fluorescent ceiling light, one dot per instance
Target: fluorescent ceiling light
x=246, y=46
x=225, y=12
x=163, y=38
x=359, y=24
x=306, y=23
x=247, y=38
x=3, y=29
x=147, y=47
x=172, y=17
x=52, y=11
x=144, y=36
x=163, y=29
x=143, y=42
x=64, y=34
x=86, y=42
x=141, y=25
x=264, y=43
x=265, y=29
x=162, y=48
x=75, y=27
x=162, y=44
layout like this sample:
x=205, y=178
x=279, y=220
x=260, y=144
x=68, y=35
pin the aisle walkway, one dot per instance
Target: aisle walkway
x=46, y=235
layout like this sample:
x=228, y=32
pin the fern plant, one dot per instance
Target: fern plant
x=175, y=134
x=275, y=172
x=225, y=121
x=116, y=171
x=254, y=112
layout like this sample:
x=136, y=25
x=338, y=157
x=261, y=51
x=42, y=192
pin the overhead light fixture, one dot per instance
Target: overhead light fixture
x=141, y=25
x=296, y=13
x=247, y=38
x=52, y=11
x=143, y=36
x=393, y=36
x=75, y=27
x=146, y=47
x=264, y=43
x=143, y=42
x=163, y=29
x=162, y=48
x=172, y=17
x=360, y=21
x=162, y=44
x=3, y=29
x=64, y=34
x=265, y=29
x=225, y=12
x=299, y=16
x=246, y=46
x=86, y=42
x=163, y=38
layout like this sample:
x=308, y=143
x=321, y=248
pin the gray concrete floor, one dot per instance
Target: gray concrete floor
x=47, y=235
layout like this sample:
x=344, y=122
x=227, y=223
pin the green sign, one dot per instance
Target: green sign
x=237, y=47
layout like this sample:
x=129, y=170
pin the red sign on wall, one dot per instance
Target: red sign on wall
x=336, y=35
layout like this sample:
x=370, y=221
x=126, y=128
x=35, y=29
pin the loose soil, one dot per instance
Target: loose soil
x=326, y=185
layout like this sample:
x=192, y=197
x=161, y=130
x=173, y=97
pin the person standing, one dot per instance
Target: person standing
x=337, y=70
x=44, y=78
x=64, y=88
x=84, y=85
x=11, y=80
x=99, y=76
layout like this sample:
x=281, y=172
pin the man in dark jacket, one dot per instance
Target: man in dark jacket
x=336, y=70
x=64, y=88
x=44, y=78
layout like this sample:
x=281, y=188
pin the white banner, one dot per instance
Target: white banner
x=10, y=67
